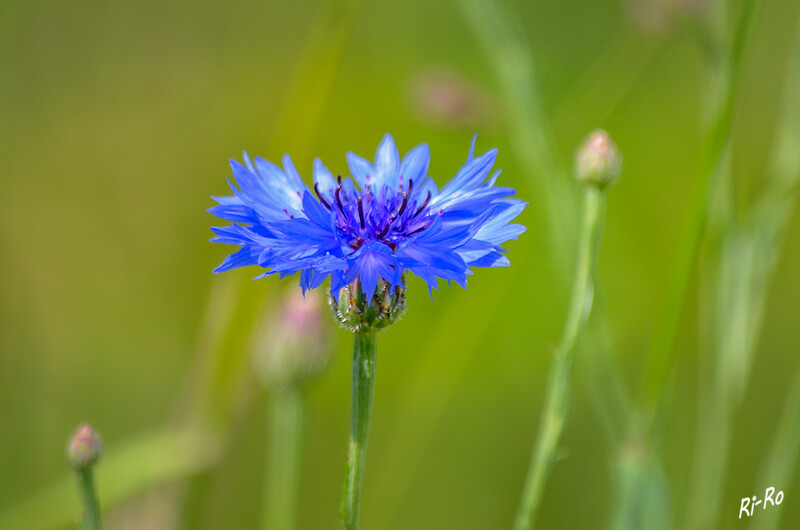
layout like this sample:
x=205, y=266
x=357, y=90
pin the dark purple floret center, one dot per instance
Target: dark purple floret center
x=386, y=218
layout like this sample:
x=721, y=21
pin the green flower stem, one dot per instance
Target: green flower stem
x=556, y=403
x=364, y=358
x=91, y=508
x=285, y=416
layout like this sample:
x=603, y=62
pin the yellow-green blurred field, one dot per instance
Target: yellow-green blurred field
x=116, y=123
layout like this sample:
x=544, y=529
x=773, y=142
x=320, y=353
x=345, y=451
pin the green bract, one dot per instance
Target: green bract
x=357, y=314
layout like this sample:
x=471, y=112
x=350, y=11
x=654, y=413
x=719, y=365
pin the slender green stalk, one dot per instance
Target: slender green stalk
x=91, y=507
x=285, y=416
x=222, y=351
x=725, y=81
x=233, y=303
x=496, y=27
x=726, y=57
x=780, y=462
x=364, y=360
x=558, y=387
x=745, y=263
x=643, y=486
x=505, y=44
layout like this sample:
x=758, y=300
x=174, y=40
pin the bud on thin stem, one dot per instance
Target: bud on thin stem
x=293, y=344
x=598, y=163
x=84, y=450
x=598, y=160
x=292, y=347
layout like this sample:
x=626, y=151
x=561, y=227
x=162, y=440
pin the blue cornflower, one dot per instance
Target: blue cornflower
x=388, y=219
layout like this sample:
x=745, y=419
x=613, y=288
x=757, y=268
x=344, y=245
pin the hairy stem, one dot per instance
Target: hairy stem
x=364, y=359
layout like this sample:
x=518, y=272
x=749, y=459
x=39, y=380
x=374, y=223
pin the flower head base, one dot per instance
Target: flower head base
x=369, y=230
x=358, y=314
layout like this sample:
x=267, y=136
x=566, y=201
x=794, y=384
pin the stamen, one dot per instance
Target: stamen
x=339, y=199
x=405, y=197
x=421, y=228
x=424, y=204
x=286, y=211
x=320, y=197
x=429, y=223
x=361, y=212
x=385, y=230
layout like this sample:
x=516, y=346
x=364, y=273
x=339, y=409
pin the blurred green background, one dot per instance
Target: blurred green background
x=116, y=124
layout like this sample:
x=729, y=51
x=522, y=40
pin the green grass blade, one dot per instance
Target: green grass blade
x=748, y=256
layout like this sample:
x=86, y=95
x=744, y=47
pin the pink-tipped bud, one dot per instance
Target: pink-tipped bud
x=294, y=344
x=598, y=161
x=85, y=448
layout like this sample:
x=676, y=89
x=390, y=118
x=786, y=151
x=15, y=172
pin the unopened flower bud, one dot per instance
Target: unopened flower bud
x=85, y=448
x=353, y=311
x=598, y=161
x=294, y=345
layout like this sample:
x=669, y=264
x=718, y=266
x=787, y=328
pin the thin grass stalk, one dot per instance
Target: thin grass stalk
x=509, y=53
x=174, y=453
x=505, y=44
x=222, y=352
x=640, y=481
x=633, y=507
x=557, y=395
x=747, y=261
x=216, y=389
x=779, y=466
x=726, y=79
